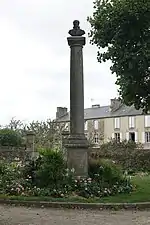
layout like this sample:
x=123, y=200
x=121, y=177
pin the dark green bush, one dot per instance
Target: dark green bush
x=10, y=137
x=105, y=171
x=51, y=169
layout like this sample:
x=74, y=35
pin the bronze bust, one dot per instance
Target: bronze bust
x=76, y=31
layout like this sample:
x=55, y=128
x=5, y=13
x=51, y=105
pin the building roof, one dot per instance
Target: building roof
x=105, y=112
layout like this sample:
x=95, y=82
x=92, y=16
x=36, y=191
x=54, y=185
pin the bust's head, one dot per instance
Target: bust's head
x=76, y=24
x=76, y=31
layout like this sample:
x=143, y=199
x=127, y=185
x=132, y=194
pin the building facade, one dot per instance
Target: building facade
x=117, y=121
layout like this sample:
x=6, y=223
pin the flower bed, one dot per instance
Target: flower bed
x=48, y=176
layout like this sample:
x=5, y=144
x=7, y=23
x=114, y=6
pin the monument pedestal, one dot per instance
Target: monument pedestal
x=78, y=159
x=77, y=154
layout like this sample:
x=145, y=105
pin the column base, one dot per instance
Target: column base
x=77, y=154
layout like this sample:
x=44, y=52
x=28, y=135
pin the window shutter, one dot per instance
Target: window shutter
x=133, y=121
x=117, y=123
x=96, y=124
x=147, y=121
x=121, y=137
x=143, y=137
x=113, y=135
x=127, y=136
x=130, y=122
x=136, y=137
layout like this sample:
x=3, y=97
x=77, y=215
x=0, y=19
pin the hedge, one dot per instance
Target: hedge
x=130, y=156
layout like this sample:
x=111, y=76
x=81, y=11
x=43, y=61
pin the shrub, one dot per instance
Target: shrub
x=105, y=171
x=48, y=176
x=51, y=169
x=10, y=137
x=129, y=155
x=10, y=178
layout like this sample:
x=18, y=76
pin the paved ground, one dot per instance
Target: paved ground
x=26, y=216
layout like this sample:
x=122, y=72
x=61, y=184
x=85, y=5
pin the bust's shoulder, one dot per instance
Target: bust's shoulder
x=77, y=32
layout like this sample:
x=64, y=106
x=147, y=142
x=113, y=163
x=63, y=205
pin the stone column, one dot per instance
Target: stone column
x=30, y=148
x=77, y=144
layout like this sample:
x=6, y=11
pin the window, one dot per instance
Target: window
x=86, y=125
x=86, y=135
x=132, y=136
x=96, y=124
x=117, y=123
x=147, y=121
x=131, y=122
x=117, y=137
x=147, y=137
x=96, y=139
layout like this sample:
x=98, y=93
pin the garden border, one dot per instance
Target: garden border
x=73, y=205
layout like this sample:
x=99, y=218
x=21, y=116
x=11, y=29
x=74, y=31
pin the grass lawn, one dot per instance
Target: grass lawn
x=141, y=194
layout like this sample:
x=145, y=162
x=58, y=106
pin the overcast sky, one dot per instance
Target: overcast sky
x=34, y=59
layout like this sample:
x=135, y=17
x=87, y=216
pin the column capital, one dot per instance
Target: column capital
x=76, y=41
x=77, y=141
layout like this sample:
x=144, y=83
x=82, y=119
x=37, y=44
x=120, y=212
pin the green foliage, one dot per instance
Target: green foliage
x=48, y=176
x=121, y=31
x=129, y=155
x=52, y=168
x=105, y=170
x=10, y=137
x=139, y=194
x=10, y=178
x=48, y=134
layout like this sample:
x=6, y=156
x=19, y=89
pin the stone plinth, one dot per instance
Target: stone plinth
x=78, y=159
x=77, y=154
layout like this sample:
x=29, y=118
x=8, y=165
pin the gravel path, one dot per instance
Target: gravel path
x=10, y=215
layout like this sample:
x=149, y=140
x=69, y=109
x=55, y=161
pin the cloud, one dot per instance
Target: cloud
x=35, y=59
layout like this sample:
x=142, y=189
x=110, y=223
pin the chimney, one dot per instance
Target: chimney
x=61, y=111
x=96, y=106
x=115, y=104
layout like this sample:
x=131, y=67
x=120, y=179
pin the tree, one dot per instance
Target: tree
x=9, y=137
x=48, y=134
x=17, y=125
x=121, y=31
